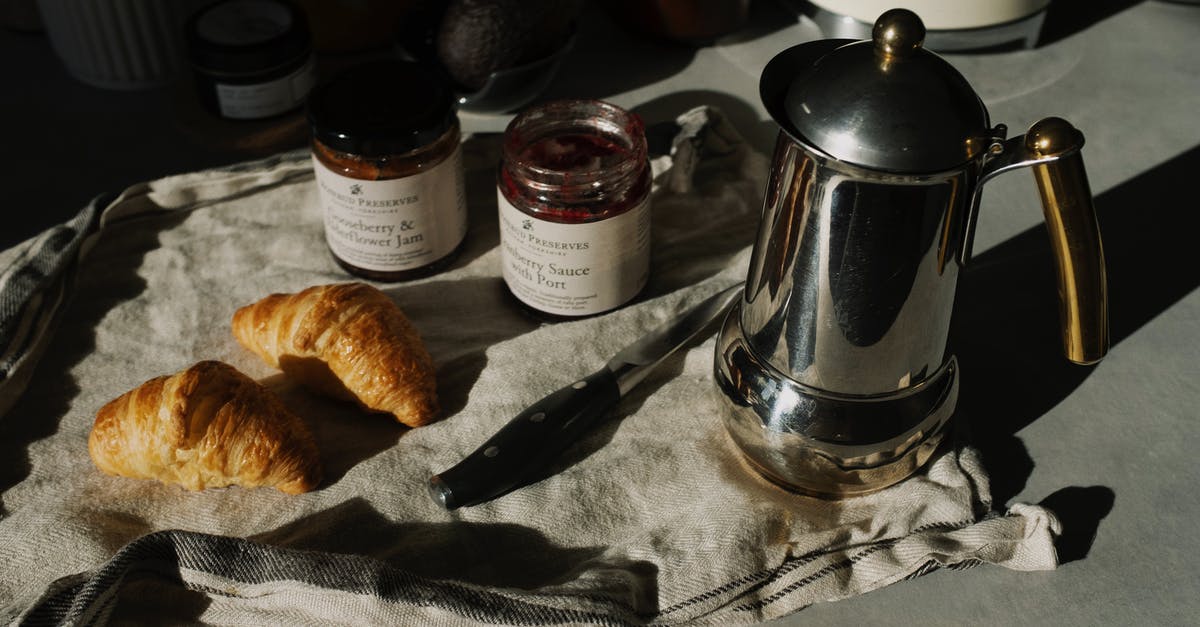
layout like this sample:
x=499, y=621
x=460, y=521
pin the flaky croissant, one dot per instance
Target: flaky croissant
x=205, y=427
x=349, y=341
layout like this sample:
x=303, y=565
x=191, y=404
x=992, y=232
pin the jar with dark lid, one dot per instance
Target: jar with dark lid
x=388, y=163
x=573, y=196
x=252, y=58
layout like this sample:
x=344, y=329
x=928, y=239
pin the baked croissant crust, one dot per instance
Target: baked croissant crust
x=348, y=341
x=205, y=427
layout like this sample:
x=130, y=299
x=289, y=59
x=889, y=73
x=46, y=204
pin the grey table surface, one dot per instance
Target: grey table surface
x=1110, y=448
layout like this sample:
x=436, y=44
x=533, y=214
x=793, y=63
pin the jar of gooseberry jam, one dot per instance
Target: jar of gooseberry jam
x=388, y=164
x=573, y=196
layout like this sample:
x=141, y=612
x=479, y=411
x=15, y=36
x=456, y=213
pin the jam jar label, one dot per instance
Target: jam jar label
x=263, y=100
x=575, y=269
x=395, y=224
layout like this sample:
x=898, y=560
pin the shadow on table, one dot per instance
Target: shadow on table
x=608, y=59
x=1006, y=326
x=458, y=321
x=50, y=394
x=631, y=403
x=1080, y=511
x=107, y=278
x=151, y=599
x=502, y=555
x=1064, y=19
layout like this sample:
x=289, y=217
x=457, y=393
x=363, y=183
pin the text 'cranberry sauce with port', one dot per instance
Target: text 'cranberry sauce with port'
x=388, y=164
x=574, y=190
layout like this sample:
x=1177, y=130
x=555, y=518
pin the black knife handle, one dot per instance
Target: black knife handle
x=527, y=443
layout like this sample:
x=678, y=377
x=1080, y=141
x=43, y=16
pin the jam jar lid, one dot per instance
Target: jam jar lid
x=239, y=37
x=382, y=108
x=887, y=103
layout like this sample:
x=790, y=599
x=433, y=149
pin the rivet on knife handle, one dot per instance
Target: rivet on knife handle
x=539, y=434
x=527, y=443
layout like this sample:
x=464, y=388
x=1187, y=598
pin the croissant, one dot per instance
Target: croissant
x=207, y=426
x=348, y=341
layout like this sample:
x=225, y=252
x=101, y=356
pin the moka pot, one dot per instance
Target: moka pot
x=833, y=369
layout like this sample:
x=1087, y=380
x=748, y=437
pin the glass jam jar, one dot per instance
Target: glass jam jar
x=573, y=197
x=388, y=164
x=252, y=58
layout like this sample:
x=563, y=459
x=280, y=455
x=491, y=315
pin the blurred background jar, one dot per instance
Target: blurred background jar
x=252, y=59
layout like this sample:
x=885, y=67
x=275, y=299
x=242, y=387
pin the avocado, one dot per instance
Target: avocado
x=478, y=37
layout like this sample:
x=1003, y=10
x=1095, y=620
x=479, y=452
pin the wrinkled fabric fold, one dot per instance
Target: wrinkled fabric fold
x=654, y=518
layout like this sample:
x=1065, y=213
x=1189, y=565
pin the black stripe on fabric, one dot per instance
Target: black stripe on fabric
x=729, y=587
x=20, y=286
x=820, y=574
x=50, y=258
x=842, y=564
x=766, y=576
x=925, y=569
x=250, y=563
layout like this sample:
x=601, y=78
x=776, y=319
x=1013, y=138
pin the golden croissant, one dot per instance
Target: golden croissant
x=349, y=341
x=205, y=427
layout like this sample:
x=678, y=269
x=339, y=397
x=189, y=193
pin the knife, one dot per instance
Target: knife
x=545, y=429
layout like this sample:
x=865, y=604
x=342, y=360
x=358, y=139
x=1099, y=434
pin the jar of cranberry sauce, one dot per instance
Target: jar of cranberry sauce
x=389, y=171
x=574, y=190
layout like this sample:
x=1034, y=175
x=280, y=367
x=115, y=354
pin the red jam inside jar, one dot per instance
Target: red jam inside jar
x=574, y=153
x=568, y=166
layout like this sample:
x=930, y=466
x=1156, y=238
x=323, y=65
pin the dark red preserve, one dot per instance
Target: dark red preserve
x=574, y=188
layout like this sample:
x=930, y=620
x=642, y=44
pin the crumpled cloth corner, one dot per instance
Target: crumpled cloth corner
x=652, y=519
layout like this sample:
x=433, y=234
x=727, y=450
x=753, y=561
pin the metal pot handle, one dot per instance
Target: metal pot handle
x=1052, y=148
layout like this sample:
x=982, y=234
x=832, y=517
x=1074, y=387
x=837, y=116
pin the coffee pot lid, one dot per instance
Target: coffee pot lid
x=888, y=103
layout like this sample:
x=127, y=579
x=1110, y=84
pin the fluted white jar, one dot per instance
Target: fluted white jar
x=119, y=44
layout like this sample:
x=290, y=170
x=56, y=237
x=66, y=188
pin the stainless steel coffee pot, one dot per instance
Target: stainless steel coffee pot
x=833, y=369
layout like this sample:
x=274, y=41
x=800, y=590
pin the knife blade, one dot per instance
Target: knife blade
x=537, y=435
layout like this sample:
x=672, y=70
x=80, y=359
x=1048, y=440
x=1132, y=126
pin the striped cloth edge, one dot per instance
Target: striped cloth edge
x=33, y=291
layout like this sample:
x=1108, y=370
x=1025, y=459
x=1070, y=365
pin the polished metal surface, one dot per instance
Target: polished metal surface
x=1074, y=238
x=898, y=33
x=852, y=279
x=1021, y=33
x=834, y=366
x=1051, y=148
x=886, y=104
x=821, y=442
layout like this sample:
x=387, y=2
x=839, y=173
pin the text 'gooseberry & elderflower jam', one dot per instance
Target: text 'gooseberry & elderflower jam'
x=388, y=164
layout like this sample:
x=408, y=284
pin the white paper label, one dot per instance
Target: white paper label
x=396, y=224
x=263, y=100
x=574, y=269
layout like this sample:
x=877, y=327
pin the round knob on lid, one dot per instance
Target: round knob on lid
x=898, y=32
x=1051, y=137
x=887, y=104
